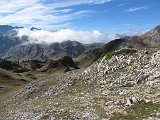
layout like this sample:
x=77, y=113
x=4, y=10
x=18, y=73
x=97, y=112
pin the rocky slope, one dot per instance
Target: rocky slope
x=147, y=40
x=122, y=85
x=152, y=38
x=90, y=56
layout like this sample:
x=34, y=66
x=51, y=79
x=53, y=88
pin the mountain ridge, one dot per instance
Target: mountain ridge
x=16, y=50
x=13, y=47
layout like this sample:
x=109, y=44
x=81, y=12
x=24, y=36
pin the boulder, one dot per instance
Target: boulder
x=134, y=100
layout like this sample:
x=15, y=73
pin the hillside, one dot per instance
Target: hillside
x=123, y=86
x=152, y=38
x=63, y=64
x=147, y=40
x=15, y=75
x=10, y=84
x=33, y=65
x=92, y=55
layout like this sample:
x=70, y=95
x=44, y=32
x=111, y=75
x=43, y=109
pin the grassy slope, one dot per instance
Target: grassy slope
x=10, y=84
x=125, y=51
x=138, y=112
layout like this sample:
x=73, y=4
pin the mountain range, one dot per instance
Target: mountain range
x=13, y=47
x=119, y=80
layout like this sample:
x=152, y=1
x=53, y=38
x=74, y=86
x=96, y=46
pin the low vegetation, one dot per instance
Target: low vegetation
x=126, y=51
x=138, y=112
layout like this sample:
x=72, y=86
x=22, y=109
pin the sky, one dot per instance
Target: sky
x=100, y=18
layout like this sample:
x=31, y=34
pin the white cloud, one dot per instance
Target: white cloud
x=64, y=10
x=40, y=13
x=43, y=36
x=11, y=6
x=132, y=32
x=134, y=9
x=123, y=4
x=87, y=37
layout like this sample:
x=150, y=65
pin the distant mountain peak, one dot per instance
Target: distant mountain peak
x=157, y=27
x=6, y=28
x=33, y=28
x=152, y=37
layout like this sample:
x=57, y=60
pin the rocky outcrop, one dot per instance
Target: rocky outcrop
x=65, y=63
x=152, y=38
x=134, y=100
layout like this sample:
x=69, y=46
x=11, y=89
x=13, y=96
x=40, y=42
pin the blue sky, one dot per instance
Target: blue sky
x=121, y=15
x=103, y=15
x=107, y=16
